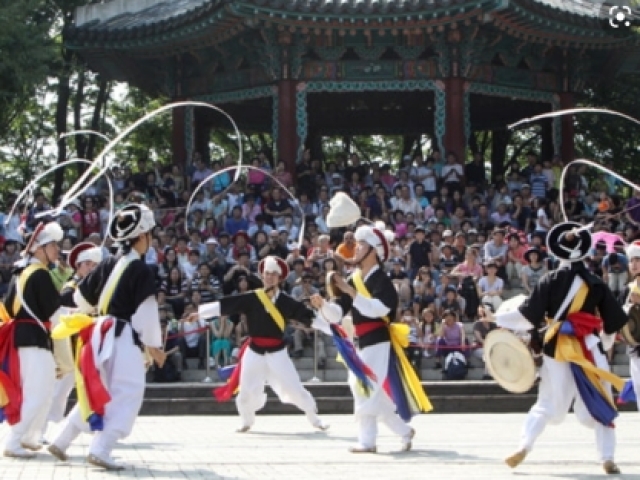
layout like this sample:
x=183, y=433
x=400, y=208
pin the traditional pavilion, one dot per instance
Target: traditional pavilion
x=301, y=69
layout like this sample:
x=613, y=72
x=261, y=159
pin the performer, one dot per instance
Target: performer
x=82, y=259
x=264, y=358
x=632, y=336
x=371, y=297
x=574, y=366
x=26, y=356
x=123, y=291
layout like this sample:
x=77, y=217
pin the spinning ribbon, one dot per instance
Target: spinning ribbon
x=55, y=212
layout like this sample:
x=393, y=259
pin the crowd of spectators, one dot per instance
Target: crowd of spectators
x=460, y=240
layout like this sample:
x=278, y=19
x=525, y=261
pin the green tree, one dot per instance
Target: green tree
x=26, y=50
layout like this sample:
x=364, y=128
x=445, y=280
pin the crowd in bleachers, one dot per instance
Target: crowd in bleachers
x=461, y=241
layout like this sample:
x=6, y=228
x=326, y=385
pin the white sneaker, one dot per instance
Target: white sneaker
x=107, y=464
x=19, y=452
x=407, y=441
x=212, y=362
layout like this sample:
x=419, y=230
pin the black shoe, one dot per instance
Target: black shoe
x=487, y=377
x=322, y=364
x=438, y=366
x=185, y=365
x=297, y=354
x=201, y=365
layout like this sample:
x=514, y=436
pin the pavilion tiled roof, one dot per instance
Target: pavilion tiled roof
x=173, y=13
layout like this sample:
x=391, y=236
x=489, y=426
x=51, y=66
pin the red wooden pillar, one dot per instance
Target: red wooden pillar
x=178, y=141
x=454, y=137
x=567, y=147
x=287, y=124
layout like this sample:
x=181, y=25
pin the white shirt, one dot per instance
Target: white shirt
x=456, y=168
x=188, y=328
x=542, y=215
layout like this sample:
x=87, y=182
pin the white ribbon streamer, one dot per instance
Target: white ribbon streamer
x=237, y=175
x=84, y=132
x=572, y=111
x=58, y=210
x=590, y=163
x=76, y=189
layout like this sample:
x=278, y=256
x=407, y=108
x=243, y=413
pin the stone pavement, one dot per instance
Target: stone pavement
x=456, y=446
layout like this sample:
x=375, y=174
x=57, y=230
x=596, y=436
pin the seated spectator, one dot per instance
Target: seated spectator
x=241, y=269
x=176, y=289
x=260, y=225
x=481, y=329
x=490, y=286
x=192, y=343
x=273, y=247
x=241, y=331
x=496, y=251
x=429, y=332
x=320, y=252
x=414, y=349
x=236, y=222
x=206, y=283
x=221, y=331
x=346, y=251
x=423, y=291
x=515, y=259
x=191, y=267
x=451, y=337
x=400, y=280
x=534, y=270
x=241, y=244
x=161, y=298
x=452, y=302
x=304, y=289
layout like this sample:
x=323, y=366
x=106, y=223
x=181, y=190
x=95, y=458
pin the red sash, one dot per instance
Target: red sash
x=368, y=327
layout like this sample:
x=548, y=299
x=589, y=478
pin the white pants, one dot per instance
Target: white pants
x=377, y=405
x=61, y=392
x=556, y=392
x=634, y=367
x=278, y=371
x=125, y=380
x=37, y=377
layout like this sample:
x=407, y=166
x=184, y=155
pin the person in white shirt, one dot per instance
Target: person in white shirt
x=452, y=173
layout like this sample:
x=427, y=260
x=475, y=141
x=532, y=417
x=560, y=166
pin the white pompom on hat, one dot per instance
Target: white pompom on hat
x=83, y=252
x=633, y=250
x=43, y=234
x=274, y=264
x=343, y=211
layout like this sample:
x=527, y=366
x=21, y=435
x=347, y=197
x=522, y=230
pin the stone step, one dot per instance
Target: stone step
x=328, y=389
x=497, y=403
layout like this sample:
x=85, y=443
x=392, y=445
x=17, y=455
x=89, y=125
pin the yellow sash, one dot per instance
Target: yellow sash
x=568, y=349
x=399, y=334
x=21, y=284
x=271, y=308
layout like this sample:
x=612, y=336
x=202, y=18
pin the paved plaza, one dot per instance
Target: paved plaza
x=286, y=447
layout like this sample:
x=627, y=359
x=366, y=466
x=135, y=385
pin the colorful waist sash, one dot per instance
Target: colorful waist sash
x=93, y=395
x=10, y=382
x=571, y=347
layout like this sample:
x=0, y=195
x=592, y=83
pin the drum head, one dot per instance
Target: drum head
x=509, y=361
